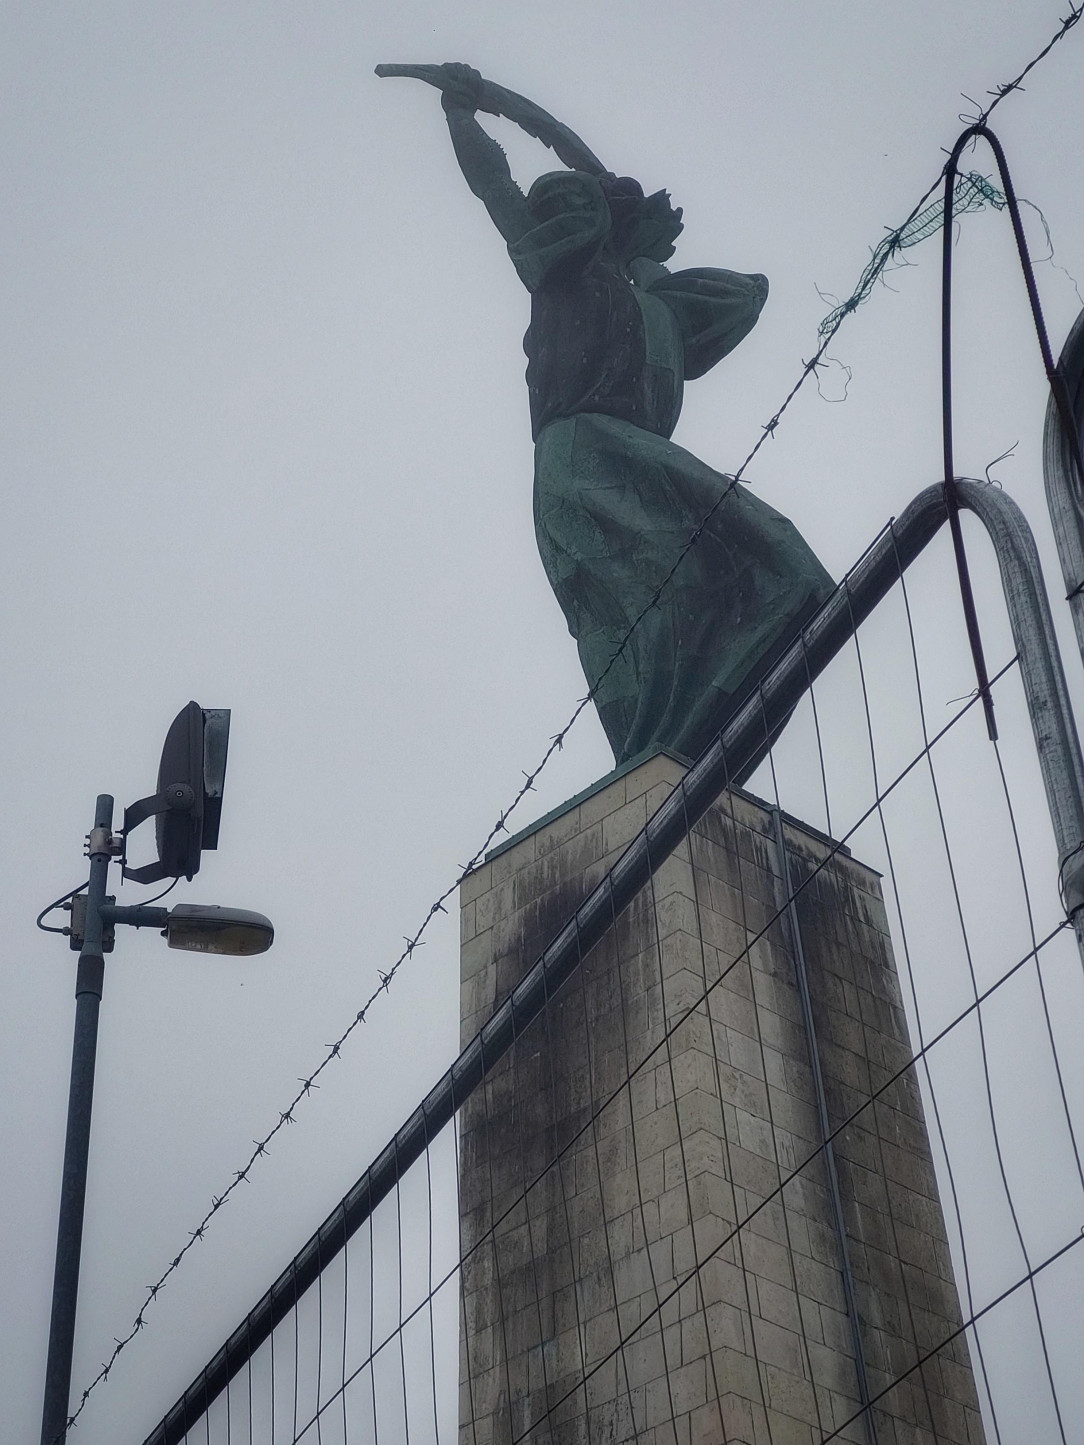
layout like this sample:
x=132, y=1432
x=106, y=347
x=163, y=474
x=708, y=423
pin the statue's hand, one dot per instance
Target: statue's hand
x=461, y=87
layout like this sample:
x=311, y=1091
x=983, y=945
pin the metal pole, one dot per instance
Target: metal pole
x=69, y=1239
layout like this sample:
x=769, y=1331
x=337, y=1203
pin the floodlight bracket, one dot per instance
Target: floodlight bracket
x=174, y=798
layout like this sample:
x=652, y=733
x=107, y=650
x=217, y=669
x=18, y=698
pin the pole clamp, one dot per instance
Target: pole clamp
x=104, y=843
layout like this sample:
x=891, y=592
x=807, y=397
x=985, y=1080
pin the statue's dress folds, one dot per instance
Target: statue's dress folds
x=616, y=502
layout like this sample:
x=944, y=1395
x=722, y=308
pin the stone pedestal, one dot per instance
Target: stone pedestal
x=842, y=1274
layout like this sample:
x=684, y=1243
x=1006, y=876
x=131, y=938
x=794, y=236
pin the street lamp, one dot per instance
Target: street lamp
x=187, y=809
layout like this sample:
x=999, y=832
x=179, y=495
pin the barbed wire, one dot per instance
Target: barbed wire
x=888, y=249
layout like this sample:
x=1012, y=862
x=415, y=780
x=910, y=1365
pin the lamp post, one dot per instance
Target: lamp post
x=187, y=807
x=89, y=977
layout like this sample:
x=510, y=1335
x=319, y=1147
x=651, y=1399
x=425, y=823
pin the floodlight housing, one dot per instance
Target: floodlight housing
x=187, y=807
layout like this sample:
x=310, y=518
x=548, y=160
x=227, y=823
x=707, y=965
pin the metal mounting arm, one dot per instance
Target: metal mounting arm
x=177, y=798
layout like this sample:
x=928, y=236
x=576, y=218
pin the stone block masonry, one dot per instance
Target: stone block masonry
x=607, y=1294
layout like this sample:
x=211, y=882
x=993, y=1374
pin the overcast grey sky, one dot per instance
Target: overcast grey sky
x=266, y=445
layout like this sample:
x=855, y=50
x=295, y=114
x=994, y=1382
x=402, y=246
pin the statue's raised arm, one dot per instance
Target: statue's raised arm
x=494, y=99
x=482, y=161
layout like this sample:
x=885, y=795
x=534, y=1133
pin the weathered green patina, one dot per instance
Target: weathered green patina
x=613, y=338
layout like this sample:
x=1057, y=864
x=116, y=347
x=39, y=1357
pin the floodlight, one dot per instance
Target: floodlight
x=187, y=808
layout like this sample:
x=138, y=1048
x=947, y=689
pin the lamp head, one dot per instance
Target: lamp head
x=206, y=928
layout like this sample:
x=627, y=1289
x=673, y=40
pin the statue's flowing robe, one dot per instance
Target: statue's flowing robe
x=616, y=502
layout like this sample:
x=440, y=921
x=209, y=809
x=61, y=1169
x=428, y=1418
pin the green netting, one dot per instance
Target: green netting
x=971, y=193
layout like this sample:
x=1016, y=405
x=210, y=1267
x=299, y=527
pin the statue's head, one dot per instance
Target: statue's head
x=640, y=225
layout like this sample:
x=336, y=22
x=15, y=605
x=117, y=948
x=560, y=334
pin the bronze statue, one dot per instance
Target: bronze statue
x=613, y=337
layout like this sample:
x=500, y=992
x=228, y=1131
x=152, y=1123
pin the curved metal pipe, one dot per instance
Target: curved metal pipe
x=739, y=746
x=1052, y=721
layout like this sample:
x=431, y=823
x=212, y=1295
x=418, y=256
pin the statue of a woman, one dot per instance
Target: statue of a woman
x=613, y=337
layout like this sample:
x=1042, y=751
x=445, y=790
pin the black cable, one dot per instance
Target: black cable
x=47, y=928
x=952, y=500
x=145, y=902
x=1054, y=378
